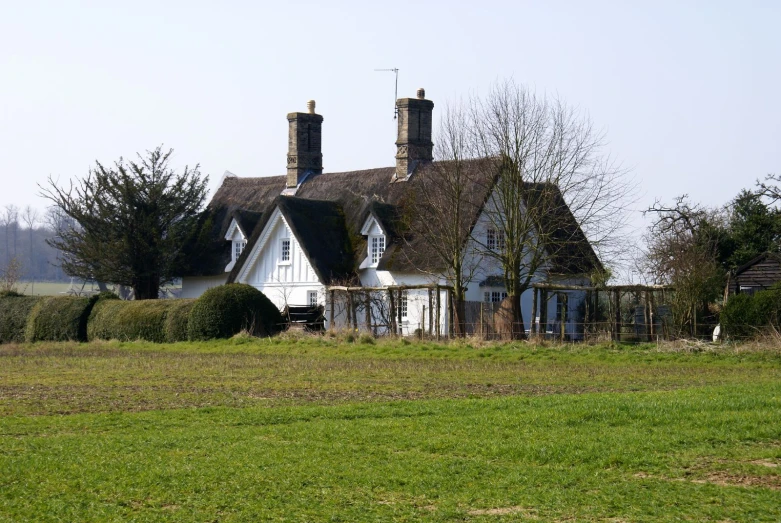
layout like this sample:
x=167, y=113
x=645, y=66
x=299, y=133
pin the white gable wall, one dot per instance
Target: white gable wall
x=491, y=267
x=284, y=283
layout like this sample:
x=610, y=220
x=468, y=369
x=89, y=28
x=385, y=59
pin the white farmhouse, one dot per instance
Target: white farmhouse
x=294, y=236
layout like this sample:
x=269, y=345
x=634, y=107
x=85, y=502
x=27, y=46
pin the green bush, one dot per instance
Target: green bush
x=129, y=320
x=177, y=319
x=228, y=309
x=59, y=318
x=14, y=311
x=744, y=315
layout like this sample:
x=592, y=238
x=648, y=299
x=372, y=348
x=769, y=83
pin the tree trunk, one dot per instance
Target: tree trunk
x=518, y=328
x=459, y=311
x=147, y=288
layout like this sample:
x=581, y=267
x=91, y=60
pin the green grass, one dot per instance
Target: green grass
x=45, y=288
x=316, y=430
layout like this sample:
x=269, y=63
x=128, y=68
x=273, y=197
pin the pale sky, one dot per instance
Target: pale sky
x=688, y=93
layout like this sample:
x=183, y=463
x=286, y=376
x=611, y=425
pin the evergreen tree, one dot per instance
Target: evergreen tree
x=133, y=222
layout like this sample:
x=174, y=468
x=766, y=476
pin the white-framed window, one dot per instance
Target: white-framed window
x=313, y=298
x=238, y=248
x=403, y=304
x=376, y=248
x=494, y=239
x=494, y=296
x=284, y=249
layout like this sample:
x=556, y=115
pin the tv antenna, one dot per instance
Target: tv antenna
x=395, y=70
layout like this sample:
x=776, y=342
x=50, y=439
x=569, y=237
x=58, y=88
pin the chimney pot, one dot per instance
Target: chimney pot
x=310, y=106
x=421, y=94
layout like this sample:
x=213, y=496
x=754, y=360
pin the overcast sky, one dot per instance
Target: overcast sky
x=689, y=93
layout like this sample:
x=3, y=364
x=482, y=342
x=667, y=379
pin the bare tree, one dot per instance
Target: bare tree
x=550, y=168
x=444, y=208
x=30, y=218
x=770, y=188
x=10, y=274
x=11, y=224
x=682, y=248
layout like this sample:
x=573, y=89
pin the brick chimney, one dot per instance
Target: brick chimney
x=304, y=154
x=414, y=145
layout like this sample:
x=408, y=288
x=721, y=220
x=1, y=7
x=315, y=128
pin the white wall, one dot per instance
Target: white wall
x=284, y=283
x=194, y=286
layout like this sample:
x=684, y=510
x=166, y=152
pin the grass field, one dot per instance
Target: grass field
x=58, y=288
x=44, y=288
x=321, y=430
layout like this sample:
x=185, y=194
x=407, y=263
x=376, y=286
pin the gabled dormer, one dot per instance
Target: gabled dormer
x=238, y=239
x=376, y=241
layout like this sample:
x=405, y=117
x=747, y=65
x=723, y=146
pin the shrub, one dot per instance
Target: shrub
x=130, y=320
x=14, y=311
x=366, y=339
x=228, y=309
x=745, y=314
x=59, y=318
x=177, y=319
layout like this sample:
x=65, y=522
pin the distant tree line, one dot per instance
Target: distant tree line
x=24, y=233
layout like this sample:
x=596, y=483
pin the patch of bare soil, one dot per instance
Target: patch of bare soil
x=729, y=479
x=503, y=511
x=725, y=479
x=764, y=463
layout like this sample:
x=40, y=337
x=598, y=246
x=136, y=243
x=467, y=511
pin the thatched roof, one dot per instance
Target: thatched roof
x=337, y=249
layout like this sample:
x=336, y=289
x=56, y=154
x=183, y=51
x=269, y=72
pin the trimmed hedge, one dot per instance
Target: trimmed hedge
x=224, y=311
x=151, y=320
x=59, y=318
x=128, y=320
x=177, y=319
x=14, y=311
x=745, y=314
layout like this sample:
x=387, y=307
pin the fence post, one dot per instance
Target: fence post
x=651, y=307
x=430, y=313
x=401, y=311
x=534, y=311
x=595, y=314
x=543, y=311
x=451, y=316
x=392, y=313
x=562, y=297
x=331, y=319
x=439, y=311
x=617, y=306
x=368, y=305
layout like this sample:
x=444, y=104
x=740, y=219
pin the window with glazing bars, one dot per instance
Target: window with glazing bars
x=286, y=250
x=494, y=296
x=238, y=248
x=378, y=247
x=494, y=239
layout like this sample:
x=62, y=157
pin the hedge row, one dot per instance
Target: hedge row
x=14, y=311
x=59, y=318
x=224, y=311
x=220, y=313
x=745, y=314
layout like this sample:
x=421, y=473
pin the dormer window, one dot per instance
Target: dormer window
x=376, y=248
